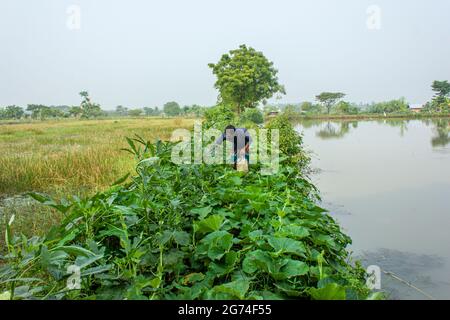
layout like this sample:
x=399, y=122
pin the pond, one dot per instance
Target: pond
x=387, y=183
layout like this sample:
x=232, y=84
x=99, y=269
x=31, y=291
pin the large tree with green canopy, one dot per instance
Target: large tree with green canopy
x=245, y=77
x=329, y=99
x=442, y=91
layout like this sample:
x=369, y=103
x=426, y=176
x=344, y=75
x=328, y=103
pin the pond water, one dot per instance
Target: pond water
x=387, y=182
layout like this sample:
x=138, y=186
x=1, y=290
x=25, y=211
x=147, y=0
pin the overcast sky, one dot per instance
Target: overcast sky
x=140, y=53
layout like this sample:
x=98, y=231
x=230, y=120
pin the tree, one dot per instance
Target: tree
x=38, y=111
x=442, y=91
x=398, y=105
x=148, y=111
x=245, y=77
x=123, y=111
x=329, y=99
x=219, y=117
x=89, y=109
x=75, y=111
x=135, y=112
x=291, y=111
x=172, y=109
x=345, y=107
x=196, y=110
x=12, y=112
x=252, y=115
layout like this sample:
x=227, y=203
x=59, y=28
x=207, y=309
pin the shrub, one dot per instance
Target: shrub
x=290, y=141
x=219, y=117
x=252, y=115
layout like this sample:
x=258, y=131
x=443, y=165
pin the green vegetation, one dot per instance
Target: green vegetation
x=171, y=231
x=244, y=78
x=172, y=109
x=192, y=232
x=329, y=99
x=252, y=115
x=11, y=112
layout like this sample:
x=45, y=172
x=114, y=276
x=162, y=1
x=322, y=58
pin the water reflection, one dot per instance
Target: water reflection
x=330, y=129
x=407, y=275
x=335, y=131
x=441, y=136
x=338, y=129
x=401, y=124
x=387, y=183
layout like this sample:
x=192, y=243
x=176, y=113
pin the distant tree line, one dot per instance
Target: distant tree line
x=170, y=109
x=89, y=109
x=325, y=102
x=334, y=103
x=86, y=109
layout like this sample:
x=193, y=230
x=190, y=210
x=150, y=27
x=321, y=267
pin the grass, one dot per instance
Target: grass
x=66, y=157
x=72, y=156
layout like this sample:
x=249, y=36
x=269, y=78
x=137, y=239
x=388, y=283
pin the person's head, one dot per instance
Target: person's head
x=229, y=131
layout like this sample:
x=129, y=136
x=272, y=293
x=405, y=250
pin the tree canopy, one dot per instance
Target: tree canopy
x=329, y=99
x=442, y=91
x=89, y=109
x=245, y=77
x=172, y=109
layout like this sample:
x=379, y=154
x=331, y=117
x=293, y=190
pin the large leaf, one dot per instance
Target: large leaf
x=216, y=244
x=212, y=223
x=202, y=212
x=331, y=291
x=257, y=260
x=294, y=268
x=286, y=245
x=293, y=231
x=231, y=290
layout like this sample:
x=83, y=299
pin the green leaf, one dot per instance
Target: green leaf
x=237, y=181
x=212, y=223
x=62, y=207
x=376, y=296
x=256, y=260
x=83, y=261
x=181, y=237
x=292, y=231
x=202, y=212
x=216, y=244
x=121, y=180
x=5, y=295
x=154, y=283
x=75, y=250
x=331, y=291
x=96, y=270
x=231, y=290
x=286, y=245
x=294, y=268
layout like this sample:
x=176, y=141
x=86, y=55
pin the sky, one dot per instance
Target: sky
x=143, y=53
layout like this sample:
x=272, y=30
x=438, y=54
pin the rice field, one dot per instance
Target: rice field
x=66, y=157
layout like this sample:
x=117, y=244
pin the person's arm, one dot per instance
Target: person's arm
x=247, y=142
x=247, y=146
x=220, y=139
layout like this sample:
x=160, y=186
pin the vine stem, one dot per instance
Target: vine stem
x=409, y=284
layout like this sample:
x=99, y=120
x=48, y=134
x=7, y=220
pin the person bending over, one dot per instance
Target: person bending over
x=241, y=140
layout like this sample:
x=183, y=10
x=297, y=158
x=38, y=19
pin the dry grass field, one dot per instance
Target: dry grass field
x=64, y=158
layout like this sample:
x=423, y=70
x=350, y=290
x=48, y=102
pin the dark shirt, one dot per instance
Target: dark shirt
x=240, y=139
